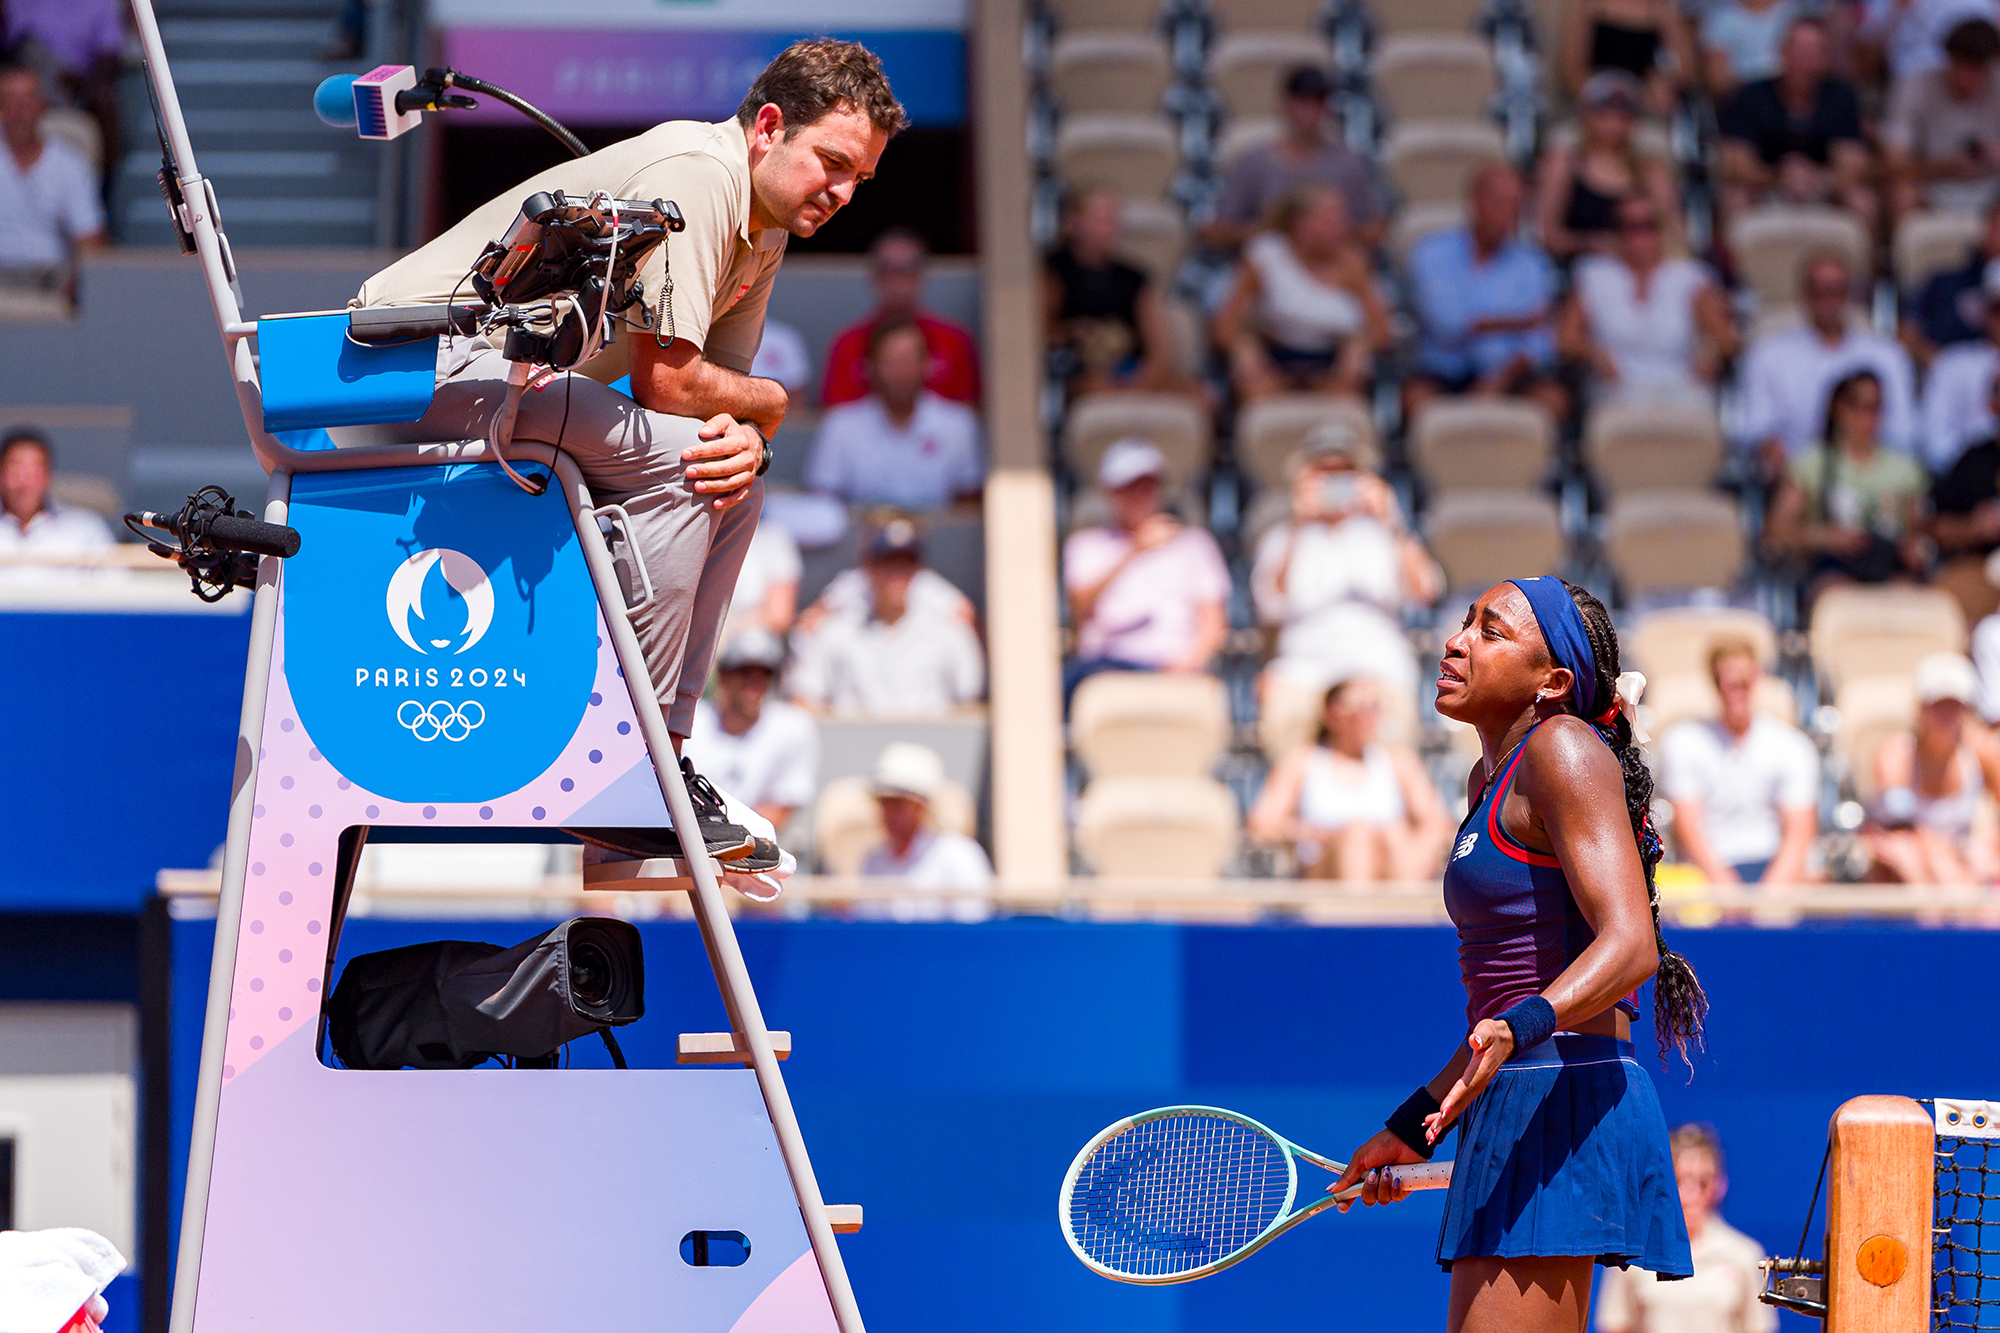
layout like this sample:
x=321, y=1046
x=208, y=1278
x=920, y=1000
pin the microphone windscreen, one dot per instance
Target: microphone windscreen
x=333, y=101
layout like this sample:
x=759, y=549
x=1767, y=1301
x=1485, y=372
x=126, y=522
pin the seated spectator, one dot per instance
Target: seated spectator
x=1307, y=152
x=1958, y=392
x=907, y=779
x=783, y=357
x=1740, y=40
x=1785, y=377
x=1580, y=188
x=1354, y=809
x=1986, y=653
x=49, y=204
x=850, y=592
x=1486, y=305
x=1102, y=313
x=1850, y=509
x=1744, y=786
x=80, y=43
x=897, y=660
x=1335, y=579
x=1650, y=328
x=897, y=267
x=1303, y=315
x=33, y=527
x=1721, y=1297
x=1796, y=137
x=1647, y=39
x=763, y=751
x=1902, y=39
x=1147, y=592
x=767, y=587
x=1931, y=781
x=1951, y=306
x=902, y=444
x=1965, y=502
x=1942, y=138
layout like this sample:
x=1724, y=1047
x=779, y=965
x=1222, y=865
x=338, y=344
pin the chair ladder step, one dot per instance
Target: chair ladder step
x=725, y=1048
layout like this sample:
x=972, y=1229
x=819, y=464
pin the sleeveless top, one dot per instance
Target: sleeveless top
x=1615, y=46
x=1951, y=815
x=1090, y=291
x=1327, y=803
x=1590, y=209
x=1652, y=340
x=1295, y=309
x=1518, y=923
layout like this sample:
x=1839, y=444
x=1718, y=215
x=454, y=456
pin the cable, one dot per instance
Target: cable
x=454, y=79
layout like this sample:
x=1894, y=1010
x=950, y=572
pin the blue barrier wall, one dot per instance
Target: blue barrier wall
x=945, y=1076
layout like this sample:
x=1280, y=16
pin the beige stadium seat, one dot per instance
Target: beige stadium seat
x=78, y=129
x=1155, y=239
x=1652, y=447
x=1433, y=74
x=1432, y=161
x=1176, y=425
x=846, y=821
x=1770, y=240
x=1241, y=137
x=1675, y=699
x=1139, y=723
x=32, y=307
x=1676, y=642
x=1288, y=716
x=1268, y=15
x=1663, y=541
x=1157, y=827
x=1131, y=15
x=1245, y=68
x=79, y=490
x=1481, y=537
x=1270, y=430
x=1189, y=335
x=1450, y=16
x=1414, y=223
x=1872, y=709
x=1481, y=444
x=1928, y=243
x=1109, y=70
x=1882, y=631
x=1134, y=155
x=1965, y=579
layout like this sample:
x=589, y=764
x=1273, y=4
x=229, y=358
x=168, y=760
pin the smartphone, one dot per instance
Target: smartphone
x=1339, y=492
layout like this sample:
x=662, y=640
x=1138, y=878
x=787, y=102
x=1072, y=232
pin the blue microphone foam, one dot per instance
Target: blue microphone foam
x=333, y=101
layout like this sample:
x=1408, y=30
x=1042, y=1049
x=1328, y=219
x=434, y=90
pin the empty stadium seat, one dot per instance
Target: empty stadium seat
x=1109, y=70
x=1288, y=716
x=1433, y=74
x=1417, y=221
x=846, y=821
x=1481, y=537
x=1176, y=425
x=78, y=129
x=1132, y=154
x=1447, y=16
x=1675, y=699
x=1241, y=137
x=1965, y=579
x=1872, y=709
x=1665, y=541
x=76, y=490
x=1269, y=15
x=1270, y=430
x=1676, y=642
x=1188, y=333
x=1139, y=723
x=1652, y=447
x=1928, y=243
x=1155, y=239
x=1156, y=827
x=1246, y=67
x=1882, y=631
x=1133, y=15
x=1771, y=240
x=1432, y=161
x=1481, y=444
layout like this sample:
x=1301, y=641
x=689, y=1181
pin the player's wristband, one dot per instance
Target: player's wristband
x=1406, y=1122
x=1533, y=1021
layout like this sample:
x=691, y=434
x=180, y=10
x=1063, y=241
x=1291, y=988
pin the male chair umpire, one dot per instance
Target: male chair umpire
x=685, y=453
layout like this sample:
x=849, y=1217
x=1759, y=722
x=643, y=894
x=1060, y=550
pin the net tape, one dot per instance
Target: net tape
x=1965, y=1247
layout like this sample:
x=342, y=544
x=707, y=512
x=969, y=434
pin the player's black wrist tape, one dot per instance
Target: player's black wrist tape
x=1533, y=1021
x=1406, y=1122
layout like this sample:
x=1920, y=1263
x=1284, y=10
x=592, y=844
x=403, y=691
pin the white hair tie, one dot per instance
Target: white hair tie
x=1630, y=685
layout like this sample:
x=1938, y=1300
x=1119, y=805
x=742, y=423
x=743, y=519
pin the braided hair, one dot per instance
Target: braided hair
x=1679, y=1003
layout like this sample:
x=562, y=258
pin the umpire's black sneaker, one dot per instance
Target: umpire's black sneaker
x=725, y=841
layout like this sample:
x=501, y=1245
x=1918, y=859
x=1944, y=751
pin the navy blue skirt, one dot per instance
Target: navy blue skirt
x=1565, y=1153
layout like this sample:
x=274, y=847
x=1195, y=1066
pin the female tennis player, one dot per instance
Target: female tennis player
x=1562, y=1160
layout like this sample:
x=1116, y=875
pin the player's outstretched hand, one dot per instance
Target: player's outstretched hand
x=725, y=462
x=1385, y=1149
x=1492, y=1042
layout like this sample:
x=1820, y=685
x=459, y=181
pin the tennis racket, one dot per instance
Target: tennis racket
x=1185, y=1191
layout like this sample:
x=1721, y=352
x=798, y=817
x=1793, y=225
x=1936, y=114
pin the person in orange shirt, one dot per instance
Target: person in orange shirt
x=898, y=260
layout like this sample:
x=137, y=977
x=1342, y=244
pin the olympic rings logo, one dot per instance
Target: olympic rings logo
x=453, y=722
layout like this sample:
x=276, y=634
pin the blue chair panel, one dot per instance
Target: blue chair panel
x=315, y=375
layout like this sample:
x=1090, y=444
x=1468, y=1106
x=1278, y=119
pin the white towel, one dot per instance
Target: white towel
x=764, y=887
x=47, y=1276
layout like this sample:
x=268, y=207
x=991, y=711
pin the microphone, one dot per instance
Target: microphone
x=225, y=532
x=333, y=101
x=374, y=104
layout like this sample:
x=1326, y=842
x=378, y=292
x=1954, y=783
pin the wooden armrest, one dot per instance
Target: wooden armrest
x=724, y=1048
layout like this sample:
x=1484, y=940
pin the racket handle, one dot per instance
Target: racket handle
x=1421, y=1175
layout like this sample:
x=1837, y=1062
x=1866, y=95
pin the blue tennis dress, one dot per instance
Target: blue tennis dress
x=1565, y=1152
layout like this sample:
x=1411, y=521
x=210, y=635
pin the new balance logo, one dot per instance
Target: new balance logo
x=1465, y=845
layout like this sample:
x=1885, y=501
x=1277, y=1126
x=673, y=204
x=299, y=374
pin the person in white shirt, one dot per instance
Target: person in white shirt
x=897, y=661
x=849, y=593
x=1910, y=33
x=783, y=357
x=762, y=751
x=1787, y=374
x=901, y=445
x=1744, y=786
x=32, y=527
x=1958, y=391
x=49, y=204
x=767, y=587
x=907, y=779
x=1721, y=1296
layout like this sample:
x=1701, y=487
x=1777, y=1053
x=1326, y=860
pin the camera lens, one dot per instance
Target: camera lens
x=589, y=974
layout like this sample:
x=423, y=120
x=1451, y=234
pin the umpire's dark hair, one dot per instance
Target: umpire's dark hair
x=1973, y=42
x=1679, y=1003
x=821, y=74
x=26, y=435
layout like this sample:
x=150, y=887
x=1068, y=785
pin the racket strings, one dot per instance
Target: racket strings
x=1965, y=1281
x=1176, y=1194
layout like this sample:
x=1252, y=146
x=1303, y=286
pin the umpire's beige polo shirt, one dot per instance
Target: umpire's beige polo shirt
x=722, y=270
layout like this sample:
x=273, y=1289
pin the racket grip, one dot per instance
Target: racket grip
x=1421, y=1175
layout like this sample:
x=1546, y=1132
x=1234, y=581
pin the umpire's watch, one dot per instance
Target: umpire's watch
x=764, y=463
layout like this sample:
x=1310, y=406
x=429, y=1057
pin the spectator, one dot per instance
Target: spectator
x=1965, y=502
x=1850, y=508
x=1307, y=152
x=897, y=267
x=908, y=779
x=1958, y=392
x=1986, y=652
x=1100, y=311
x=1647, y=39
x=1721, y=1297
x=1353, y=809
x=1942, y=138
x=850, y=591
x=49, y=207
x=1303, y=315
x=1951, y=306
x=1581, y=187
x=763, y=751
x=80, y=43
x=1787, y=373
x=1335, y=579
x=33, y=527
x=1740, y=40
x=902, y=444
x=1797, y=136
x=767, y=587
x=783, y=357
x=1147, y=592
x=1650, y=328
x=1744, y=786
x=1931, y=780
x=897, y=660
x=1485, y=303
x=1905, y=38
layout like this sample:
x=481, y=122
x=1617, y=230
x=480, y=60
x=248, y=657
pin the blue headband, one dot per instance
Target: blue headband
x=1563, y=631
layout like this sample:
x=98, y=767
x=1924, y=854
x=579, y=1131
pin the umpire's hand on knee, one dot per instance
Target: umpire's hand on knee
x=725, y=462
